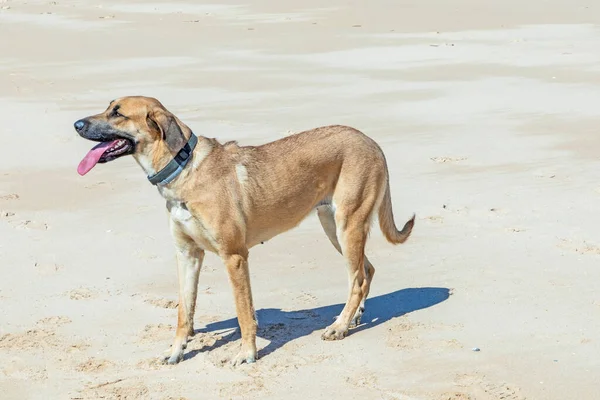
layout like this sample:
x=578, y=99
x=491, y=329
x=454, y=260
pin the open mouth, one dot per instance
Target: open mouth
x=105, y=152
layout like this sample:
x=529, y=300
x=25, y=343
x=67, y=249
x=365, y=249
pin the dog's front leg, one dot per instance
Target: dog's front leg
x=189, y=263
x=239, y=275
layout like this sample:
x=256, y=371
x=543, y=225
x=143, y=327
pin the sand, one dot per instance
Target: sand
x=487, y=112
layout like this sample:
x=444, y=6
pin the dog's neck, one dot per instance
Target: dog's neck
x=155, y=158
x=158, y=157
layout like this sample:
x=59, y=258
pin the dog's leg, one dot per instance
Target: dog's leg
x=327, y=218
x=189, y=263
x=352, y=230
x=369, y=273
x=239, y=275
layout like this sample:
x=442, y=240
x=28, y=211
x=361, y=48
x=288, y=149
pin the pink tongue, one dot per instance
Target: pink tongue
x=92, y=158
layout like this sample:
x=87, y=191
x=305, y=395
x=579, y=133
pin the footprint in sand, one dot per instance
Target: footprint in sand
x=404, y=334
x=162, y=303
x=17, y=368
x=485, y=389
x=222, y=354
x=273, y=331
x=363, y=379
x=152, y=364
x=501, y=391
x=81, y=294
x=157, y=333
x=94, y=365
x=29, y=340
x=130, y=389
x=39, y=341
x=247, y=388
x=42, y=336
x=202, y=341
x=77, y=348
x=401, y=335
x=55, y=321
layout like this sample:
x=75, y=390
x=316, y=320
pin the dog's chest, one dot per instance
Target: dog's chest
x=180, y=213
x=192, y=226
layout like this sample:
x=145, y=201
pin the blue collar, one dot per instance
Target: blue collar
x=176, y=165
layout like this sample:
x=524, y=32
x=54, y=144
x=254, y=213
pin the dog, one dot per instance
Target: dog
x=226, y=198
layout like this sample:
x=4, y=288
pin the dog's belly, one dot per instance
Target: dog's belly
x=264, y=235
x=268, y=228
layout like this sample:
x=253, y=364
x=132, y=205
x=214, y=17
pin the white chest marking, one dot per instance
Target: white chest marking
x=180, y=213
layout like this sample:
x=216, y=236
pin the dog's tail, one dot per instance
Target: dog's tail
x=386, y=220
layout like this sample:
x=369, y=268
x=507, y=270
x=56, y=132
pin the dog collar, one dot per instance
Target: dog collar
x=176, y=165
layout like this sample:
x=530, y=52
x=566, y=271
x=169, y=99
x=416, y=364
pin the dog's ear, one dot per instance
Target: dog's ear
x=165, y=123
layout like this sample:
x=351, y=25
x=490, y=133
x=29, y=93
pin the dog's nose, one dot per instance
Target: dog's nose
x=79, y=125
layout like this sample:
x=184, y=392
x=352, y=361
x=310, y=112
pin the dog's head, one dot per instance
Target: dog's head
x=136, y=125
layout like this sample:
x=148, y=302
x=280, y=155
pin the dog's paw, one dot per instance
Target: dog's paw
x=174, y=358
x=334, y=332
x=244, y=356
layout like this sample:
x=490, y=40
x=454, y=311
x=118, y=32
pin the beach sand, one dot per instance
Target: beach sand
x=488, y=113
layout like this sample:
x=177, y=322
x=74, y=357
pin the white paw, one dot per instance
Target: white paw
x=334, y=332
x=244, y=356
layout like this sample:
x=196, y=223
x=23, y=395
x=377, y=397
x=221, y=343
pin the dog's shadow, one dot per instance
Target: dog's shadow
x=281, y=327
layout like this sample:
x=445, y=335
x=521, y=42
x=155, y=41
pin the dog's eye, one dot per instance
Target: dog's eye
x=116, y=114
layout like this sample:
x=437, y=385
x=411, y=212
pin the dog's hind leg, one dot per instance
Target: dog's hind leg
x=369, y=273
x=352, y=218
x=327, y=218
x=353, y=238
x=189, y=263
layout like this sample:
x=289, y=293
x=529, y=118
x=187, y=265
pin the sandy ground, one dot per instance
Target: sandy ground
x=488, y=113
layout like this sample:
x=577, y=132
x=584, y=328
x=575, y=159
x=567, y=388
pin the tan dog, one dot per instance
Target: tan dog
x=229, y=198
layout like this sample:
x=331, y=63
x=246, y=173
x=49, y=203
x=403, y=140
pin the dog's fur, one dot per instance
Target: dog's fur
x=230, y=198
